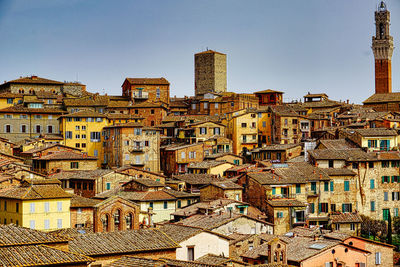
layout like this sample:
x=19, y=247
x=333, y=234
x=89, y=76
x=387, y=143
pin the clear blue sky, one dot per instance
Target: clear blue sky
x=289, y=45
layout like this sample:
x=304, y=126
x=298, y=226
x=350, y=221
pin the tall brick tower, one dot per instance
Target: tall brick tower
x=382, y=45
x=209, y=72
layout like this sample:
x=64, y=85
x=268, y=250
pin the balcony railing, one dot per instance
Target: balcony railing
x=140, y=95
x=136, y=149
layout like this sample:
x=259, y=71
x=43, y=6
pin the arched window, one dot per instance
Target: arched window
x=129, y=221
x=117, y=220
x=281, y=257
x=381, y=30
x=21, y=91
x=106, y=222
x=31, y=91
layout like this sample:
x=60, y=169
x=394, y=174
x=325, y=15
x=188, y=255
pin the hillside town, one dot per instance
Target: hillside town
x=218, y=178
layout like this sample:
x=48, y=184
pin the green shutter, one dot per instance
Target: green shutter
x=312, y=210
x=369, y=143
x=383, y=179
x=392, y=179
x=372, y=184
x=298, y=188
x=326, y=186
x=332, y=186
x=273, y=190
x=346, y=186
x=319, y=207
x=343, y=208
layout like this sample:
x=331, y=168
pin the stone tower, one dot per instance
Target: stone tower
x=209, y=72
x=382, y=45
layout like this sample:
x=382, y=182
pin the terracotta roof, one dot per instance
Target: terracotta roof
x=84, y=114
x=34, y=192
x=122, y=242
x=354, y=154
x=316, y=95
x=215, y=259
x=47, y=146
x=337, y=144
x=268, y=91
x=146, y=182
x=39, y=255
x=209, y=205
x=126, y=125
x=88, y=101
x=383, y=98
x=82, y=202
x=347, y=217
x=66, y=155
x=210, y=52
x=181, y=263
x=181, y=194
x=34, y=80
x=197, y=179
x=148, y=81
x=71, y=232
x=226, y=185
x=129, y=261
x=301, y=248
x=256, y=252
x=137, y=196
x=12, y=235
x=277, y=147
x=207, y=164
x=285, y=203
x=22, y=109
x=10, y=95
x=213, y=221
x=337, y=235
x=81, y=174
x=284, y=111
x=376, y=132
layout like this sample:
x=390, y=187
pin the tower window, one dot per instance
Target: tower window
x=381, y=30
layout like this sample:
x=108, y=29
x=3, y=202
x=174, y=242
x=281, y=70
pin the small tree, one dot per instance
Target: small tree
x=396, y=225
x=389, y=231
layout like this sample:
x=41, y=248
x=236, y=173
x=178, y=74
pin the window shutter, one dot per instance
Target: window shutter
x=383, y=179
x=319, y=207
x=369, y=143
x=392, y=179
x=343, y=208
x=332, y=187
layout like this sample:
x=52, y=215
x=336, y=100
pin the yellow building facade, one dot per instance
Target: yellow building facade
x=84, y=130
x=41, y=205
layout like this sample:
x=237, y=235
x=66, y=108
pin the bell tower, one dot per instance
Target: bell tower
x=382, y=45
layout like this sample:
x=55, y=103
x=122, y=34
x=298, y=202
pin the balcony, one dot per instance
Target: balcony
x=136, y=149
x=140, y=95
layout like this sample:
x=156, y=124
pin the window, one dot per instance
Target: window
x=370, y=165
x=378, y=258
x=244, y=125
x=330, y=163
x=74, y=165
x=333, y=207
x=49, y=129
x=8, y=116
x=205, y=105
x=32, y=207
x=83, y=145
x=347, y=207
x=5, y=205
x=59, y=206
x=314, y=187
x=59, y=223
x=323, y=207
x=346, y=185
x=32, y=224
x=96, y=153
x=190, y=252
x=23, y=116
x=217, y=131
x=332, y=186
x=355, y=165
x=385, y=179
x=10, y=100
x=372, y=184
x=77, y=119
x=352, y=227
x=46, y=207
x=326, y=186
x=328, y=264
x=312, y=208
x=203, y=130
x=279, y=214
x=152, y=111
x=183, y=155
x=16, y=207
x=77, y=127
x=137, y=131
x=179, y=204
x=137, y=159
x=385, y=196
x=151, y=205
x=95, y=136
x=7, y=128
x=385, y=164
x=46, y=224
x=298, y=188
x=165, y=205
x=372, y=204
x=395, y=196
x=23, y=128
x=77, y=136
x=108, y=186
x=68, y=135
x=216, y=105
x=264, y=124
x=158, y=92
x=396, y=212
x=38, y=117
